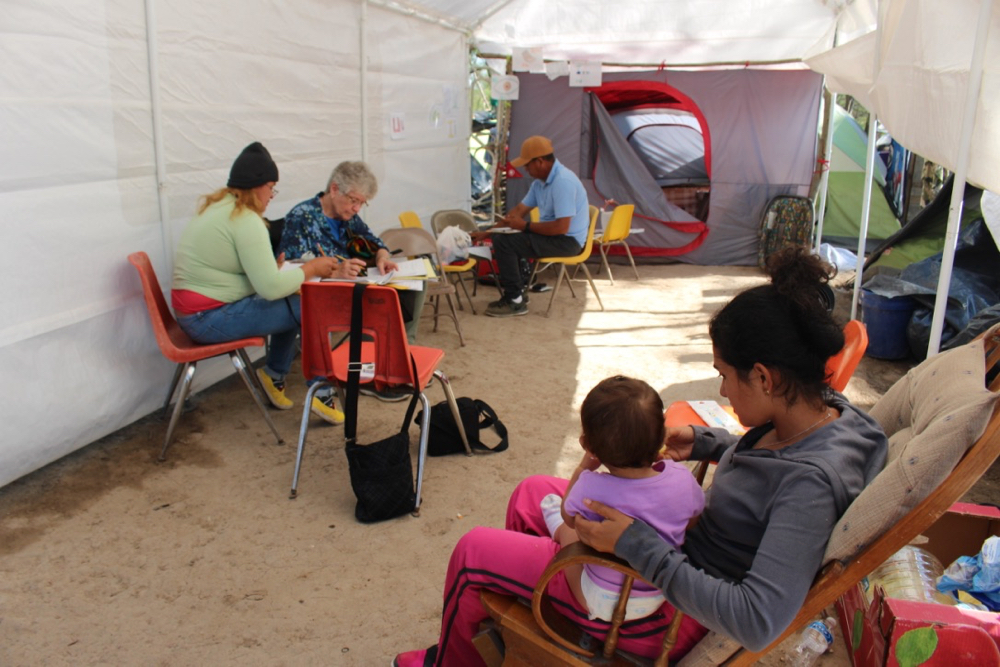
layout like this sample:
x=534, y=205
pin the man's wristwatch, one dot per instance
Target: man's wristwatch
x=527, y=227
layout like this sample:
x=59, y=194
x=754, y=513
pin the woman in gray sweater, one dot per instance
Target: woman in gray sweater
x=746, y=566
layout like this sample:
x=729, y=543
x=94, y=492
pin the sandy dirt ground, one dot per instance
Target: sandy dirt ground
x=108, y=557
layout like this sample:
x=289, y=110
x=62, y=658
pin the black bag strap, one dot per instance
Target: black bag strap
x=489, y=418
x=354, y=365
x=354, y=371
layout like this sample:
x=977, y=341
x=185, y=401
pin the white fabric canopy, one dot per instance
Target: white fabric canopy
x=115, y=117
x=918, y=92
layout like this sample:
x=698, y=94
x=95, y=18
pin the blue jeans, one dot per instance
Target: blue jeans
x=252, y=316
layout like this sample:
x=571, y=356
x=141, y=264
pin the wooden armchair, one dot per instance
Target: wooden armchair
x=943, y=424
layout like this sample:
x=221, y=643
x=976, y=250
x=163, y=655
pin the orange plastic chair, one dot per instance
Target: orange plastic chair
x=840, y=367
x=409, y=219
x=615, y=233
x=576, y=260
x=326, y=317
x=178, y=347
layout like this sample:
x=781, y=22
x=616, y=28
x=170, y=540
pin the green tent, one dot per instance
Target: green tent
x=845, y=191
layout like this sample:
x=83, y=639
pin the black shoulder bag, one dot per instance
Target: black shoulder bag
x=381, y=473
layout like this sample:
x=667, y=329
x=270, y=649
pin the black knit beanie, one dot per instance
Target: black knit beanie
x=253, y=168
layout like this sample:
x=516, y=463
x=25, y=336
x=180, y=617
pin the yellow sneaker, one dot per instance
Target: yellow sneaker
x=275, y=390
x=326, y=409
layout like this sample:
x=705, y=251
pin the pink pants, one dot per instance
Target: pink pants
x=511, y=561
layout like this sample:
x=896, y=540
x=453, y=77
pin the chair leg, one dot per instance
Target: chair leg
x=437, y=305
x=454, y=316
x=555, y=290
x=425, y=425
x=449, y=394
x=173, y=386
x=592, y=285
x=465, y=290
x=188, y=373
x=628, y=252
x=604, y=263
x=242, y=363
x=569, y=281
x=303, y=428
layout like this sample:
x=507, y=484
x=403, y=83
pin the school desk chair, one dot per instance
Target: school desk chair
x=178, y=347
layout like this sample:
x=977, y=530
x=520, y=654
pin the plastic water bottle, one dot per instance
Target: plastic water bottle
x=813, y=642
x=909, y=574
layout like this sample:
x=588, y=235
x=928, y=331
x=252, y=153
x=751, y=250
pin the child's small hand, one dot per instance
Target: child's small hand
x=589, y=462
x=679, y=443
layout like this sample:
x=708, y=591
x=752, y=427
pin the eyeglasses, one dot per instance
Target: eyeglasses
x=274, y=191
x=357, y=202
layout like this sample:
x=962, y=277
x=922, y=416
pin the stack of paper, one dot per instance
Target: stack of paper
x=410, y=274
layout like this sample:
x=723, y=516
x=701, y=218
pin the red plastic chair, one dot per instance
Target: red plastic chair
x=840, y=367
x=326, y=320
x=178, y=347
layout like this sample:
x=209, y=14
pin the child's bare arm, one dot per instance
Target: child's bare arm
x=588, y=462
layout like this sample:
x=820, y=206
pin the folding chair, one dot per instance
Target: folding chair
x=417, y=243
x=943, y=424
x=326, y=319
x=577, y=260
x=616, y=233
x=464, y=221
x=178, y=347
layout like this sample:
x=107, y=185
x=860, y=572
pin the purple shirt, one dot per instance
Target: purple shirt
x=666, y=502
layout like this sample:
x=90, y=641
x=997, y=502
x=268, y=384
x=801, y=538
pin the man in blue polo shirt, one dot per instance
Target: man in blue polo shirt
x=564, y=219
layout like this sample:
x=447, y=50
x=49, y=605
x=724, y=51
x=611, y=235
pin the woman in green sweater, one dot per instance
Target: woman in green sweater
x=227, y=284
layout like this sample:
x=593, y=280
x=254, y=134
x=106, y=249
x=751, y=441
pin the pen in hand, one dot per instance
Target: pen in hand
x=323, y=254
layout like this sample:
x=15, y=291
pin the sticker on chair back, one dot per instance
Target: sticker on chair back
x=367, y=372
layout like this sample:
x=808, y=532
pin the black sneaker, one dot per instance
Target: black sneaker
x=507, y=308
x=385, y=394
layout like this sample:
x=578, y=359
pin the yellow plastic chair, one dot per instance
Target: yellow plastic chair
x=615, y=233
x=577, y=260
x=457, y=272
x=534, y=215
x=410, y=220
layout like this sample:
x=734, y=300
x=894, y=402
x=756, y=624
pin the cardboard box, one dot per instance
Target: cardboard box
x=899, y=632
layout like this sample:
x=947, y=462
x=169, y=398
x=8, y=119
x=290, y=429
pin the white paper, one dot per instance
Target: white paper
x=482, y=252
x=715, y=417
x=504, y=87
x=529, y=59
x=556, y=69
x=584, y=73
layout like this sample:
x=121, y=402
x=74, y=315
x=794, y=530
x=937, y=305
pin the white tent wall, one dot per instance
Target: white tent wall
x=79, y=183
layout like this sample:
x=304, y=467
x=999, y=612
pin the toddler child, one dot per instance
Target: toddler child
x=623, y=429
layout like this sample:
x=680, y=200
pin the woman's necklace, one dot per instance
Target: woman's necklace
x=779, y=443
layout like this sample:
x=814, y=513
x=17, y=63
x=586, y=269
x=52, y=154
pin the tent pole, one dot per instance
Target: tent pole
x=869, y=170
x=866, y=205
x=958, y=191
x=363, y=66
x=156, y=112
x=824, y=179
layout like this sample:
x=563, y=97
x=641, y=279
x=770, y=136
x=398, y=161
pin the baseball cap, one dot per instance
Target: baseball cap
x=531, y=148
